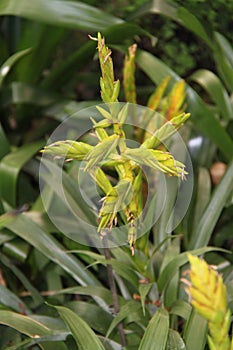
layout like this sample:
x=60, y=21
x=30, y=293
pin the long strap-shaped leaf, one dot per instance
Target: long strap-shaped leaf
x=202, y=233
x=27, y=229
x=10, y=167
x=155, y=336
x=72, y=14
x=82, y=333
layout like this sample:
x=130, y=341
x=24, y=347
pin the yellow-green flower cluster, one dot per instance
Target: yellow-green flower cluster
x=209, y=297
x=125, y=199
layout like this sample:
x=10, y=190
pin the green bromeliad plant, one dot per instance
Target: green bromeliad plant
x=125, y=199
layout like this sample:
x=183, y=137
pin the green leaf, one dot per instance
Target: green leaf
x=24, y=324
x=174, y=341
x=82, y=333
x=156, y=333
x=129, y=308
x=181, y=308
x=24, y=227
x=71, y=14
x=196, y=325
x=9, y=299
x=193, y=24
x=92, y=314
x=212, y=84
x=203, y=194
x=37, y=298
x=144, y=289
x=202, y=232
x=7, y=218
x=9, y=63
x=10, y=167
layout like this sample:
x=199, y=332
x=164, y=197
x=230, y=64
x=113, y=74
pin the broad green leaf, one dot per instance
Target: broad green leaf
x=214, y=87
x=24, y=227
x=156, y=334
x=181, y=308
x=82, y=333
x=223, y=55
x=24, y=324
x=225, y=46
x=193, y=24
x=225, y=70
x=10, y=167
x=129, y=308
x=174, y=341
x=203, y=194
x=195, y=333
x=16, y=249
x=92, y=314
x=202, y=232
x=7, y=218
x=71, y=14
x=10, y=300
x=201, y=116
x=9, y=63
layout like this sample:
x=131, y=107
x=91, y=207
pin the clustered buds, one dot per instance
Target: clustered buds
x=125, y=199
x=209, y=297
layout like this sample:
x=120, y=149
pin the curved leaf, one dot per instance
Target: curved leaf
x=24, y=324
x=24, y=227
x=212, y=84
x=202, y=232
x=71, y=14
x=129, y=308
x=9, y=63
x=193, y=24
x=196, y=325
x=82, y=333
x=156, y=334
x=174, y=341
x=10, y=167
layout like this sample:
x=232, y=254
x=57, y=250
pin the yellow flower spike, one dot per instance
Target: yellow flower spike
x=155, y=98
x=212, y=281
x=209, y=297
x=175, y=99
x=109, y=88
x=201, y=296
x=128, y=75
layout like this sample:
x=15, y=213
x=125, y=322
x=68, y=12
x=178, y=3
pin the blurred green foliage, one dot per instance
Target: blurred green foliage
x=49, y=72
